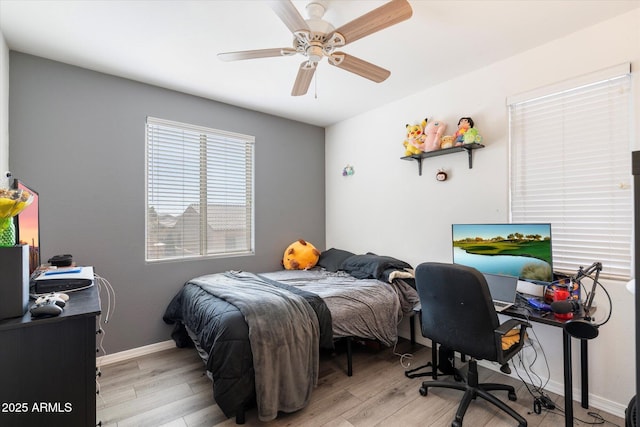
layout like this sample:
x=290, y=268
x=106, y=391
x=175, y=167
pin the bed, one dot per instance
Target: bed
x=259, y=335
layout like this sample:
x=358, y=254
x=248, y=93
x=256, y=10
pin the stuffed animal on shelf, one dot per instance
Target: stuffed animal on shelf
x=466, y=133
x=300, y=255
x=464, y=124
x=471, y=136
x=414, y=142
x=446, y=141
x=433, y=134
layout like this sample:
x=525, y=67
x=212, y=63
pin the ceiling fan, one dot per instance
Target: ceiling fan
x=315, y=38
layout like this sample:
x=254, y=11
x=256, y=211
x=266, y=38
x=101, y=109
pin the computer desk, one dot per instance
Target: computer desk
x=523, y=311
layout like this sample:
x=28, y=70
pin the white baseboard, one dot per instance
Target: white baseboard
x=556, y=387
x=109, y=359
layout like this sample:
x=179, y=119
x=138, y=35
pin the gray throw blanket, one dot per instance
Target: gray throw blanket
x=284, y=335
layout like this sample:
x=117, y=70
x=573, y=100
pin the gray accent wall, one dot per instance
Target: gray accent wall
x=4, y=107
x=78, y=137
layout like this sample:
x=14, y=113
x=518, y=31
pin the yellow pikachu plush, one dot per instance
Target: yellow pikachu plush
x=414, y=142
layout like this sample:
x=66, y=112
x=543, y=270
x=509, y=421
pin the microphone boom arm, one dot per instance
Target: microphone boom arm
x=582, y=273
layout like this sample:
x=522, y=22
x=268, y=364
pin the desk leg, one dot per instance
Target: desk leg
x=412, y=328
x=568, y=381
x=584, y=373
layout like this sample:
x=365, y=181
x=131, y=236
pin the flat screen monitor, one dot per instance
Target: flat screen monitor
x=28, y=226
x=521, y=250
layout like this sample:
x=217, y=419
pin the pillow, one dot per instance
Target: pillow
x=511, y=338
x=372, y=266
x=332, y=259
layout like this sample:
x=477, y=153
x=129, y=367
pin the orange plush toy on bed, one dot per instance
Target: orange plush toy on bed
x=300, y=255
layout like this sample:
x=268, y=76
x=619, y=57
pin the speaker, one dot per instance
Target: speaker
x=14, y=281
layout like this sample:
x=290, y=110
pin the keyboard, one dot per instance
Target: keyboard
x=500, y=306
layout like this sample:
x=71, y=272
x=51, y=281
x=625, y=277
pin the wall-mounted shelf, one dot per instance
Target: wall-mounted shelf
x=466, y=147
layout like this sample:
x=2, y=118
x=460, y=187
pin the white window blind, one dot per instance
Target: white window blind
x=199, y=192
x=571, y=166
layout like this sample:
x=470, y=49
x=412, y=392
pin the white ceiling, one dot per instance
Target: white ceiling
x=173, y=44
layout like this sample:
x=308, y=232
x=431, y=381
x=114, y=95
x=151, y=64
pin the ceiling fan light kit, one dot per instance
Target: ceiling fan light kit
x=316, y=38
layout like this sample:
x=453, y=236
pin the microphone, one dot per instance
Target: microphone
x=584, y=328
x=565, y=306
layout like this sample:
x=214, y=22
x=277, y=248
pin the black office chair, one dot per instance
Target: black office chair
x=458, y=313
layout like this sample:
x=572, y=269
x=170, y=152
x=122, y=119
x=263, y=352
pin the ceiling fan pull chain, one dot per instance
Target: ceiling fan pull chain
x=315, y=85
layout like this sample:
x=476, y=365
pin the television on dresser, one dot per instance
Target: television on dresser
x=521, y=250
x=28, y=225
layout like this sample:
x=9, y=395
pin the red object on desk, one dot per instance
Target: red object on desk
x=561, y=295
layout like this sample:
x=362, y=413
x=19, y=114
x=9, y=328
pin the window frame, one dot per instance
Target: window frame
x=614, y=249
x=220, y=211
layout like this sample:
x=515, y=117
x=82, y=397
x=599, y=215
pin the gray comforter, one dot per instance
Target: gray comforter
x=365, y=308
x=284, y=335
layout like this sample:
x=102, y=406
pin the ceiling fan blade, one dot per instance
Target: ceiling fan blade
x=253, y=54
x=378, y=19
x=359, y=66
x=288, y=13
x=303, y=79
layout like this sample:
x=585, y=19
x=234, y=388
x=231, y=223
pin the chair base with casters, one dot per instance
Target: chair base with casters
x=472, y=389
x=442, y=363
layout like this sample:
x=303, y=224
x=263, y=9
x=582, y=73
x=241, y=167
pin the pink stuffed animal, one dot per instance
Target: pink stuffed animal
x=433, y=132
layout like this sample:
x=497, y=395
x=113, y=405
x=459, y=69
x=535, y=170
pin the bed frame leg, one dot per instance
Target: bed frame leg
x=349, y=357
x=240, y=415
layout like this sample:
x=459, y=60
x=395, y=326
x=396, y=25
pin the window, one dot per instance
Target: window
x=571, y=166
x=199, y=192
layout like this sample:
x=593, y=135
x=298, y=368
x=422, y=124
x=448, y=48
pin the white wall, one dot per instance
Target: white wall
x=4, y=106
x=385, y=207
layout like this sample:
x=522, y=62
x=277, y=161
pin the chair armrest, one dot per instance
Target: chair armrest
x=509, y=324
x=504, y=355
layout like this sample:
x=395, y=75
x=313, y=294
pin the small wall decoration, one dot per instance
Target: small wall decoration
x=348, y=171
x=441, y=175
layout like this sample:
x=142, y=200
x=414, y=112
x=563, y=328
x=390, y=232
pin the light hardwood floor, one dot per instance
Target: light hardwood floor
x=170, y=389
